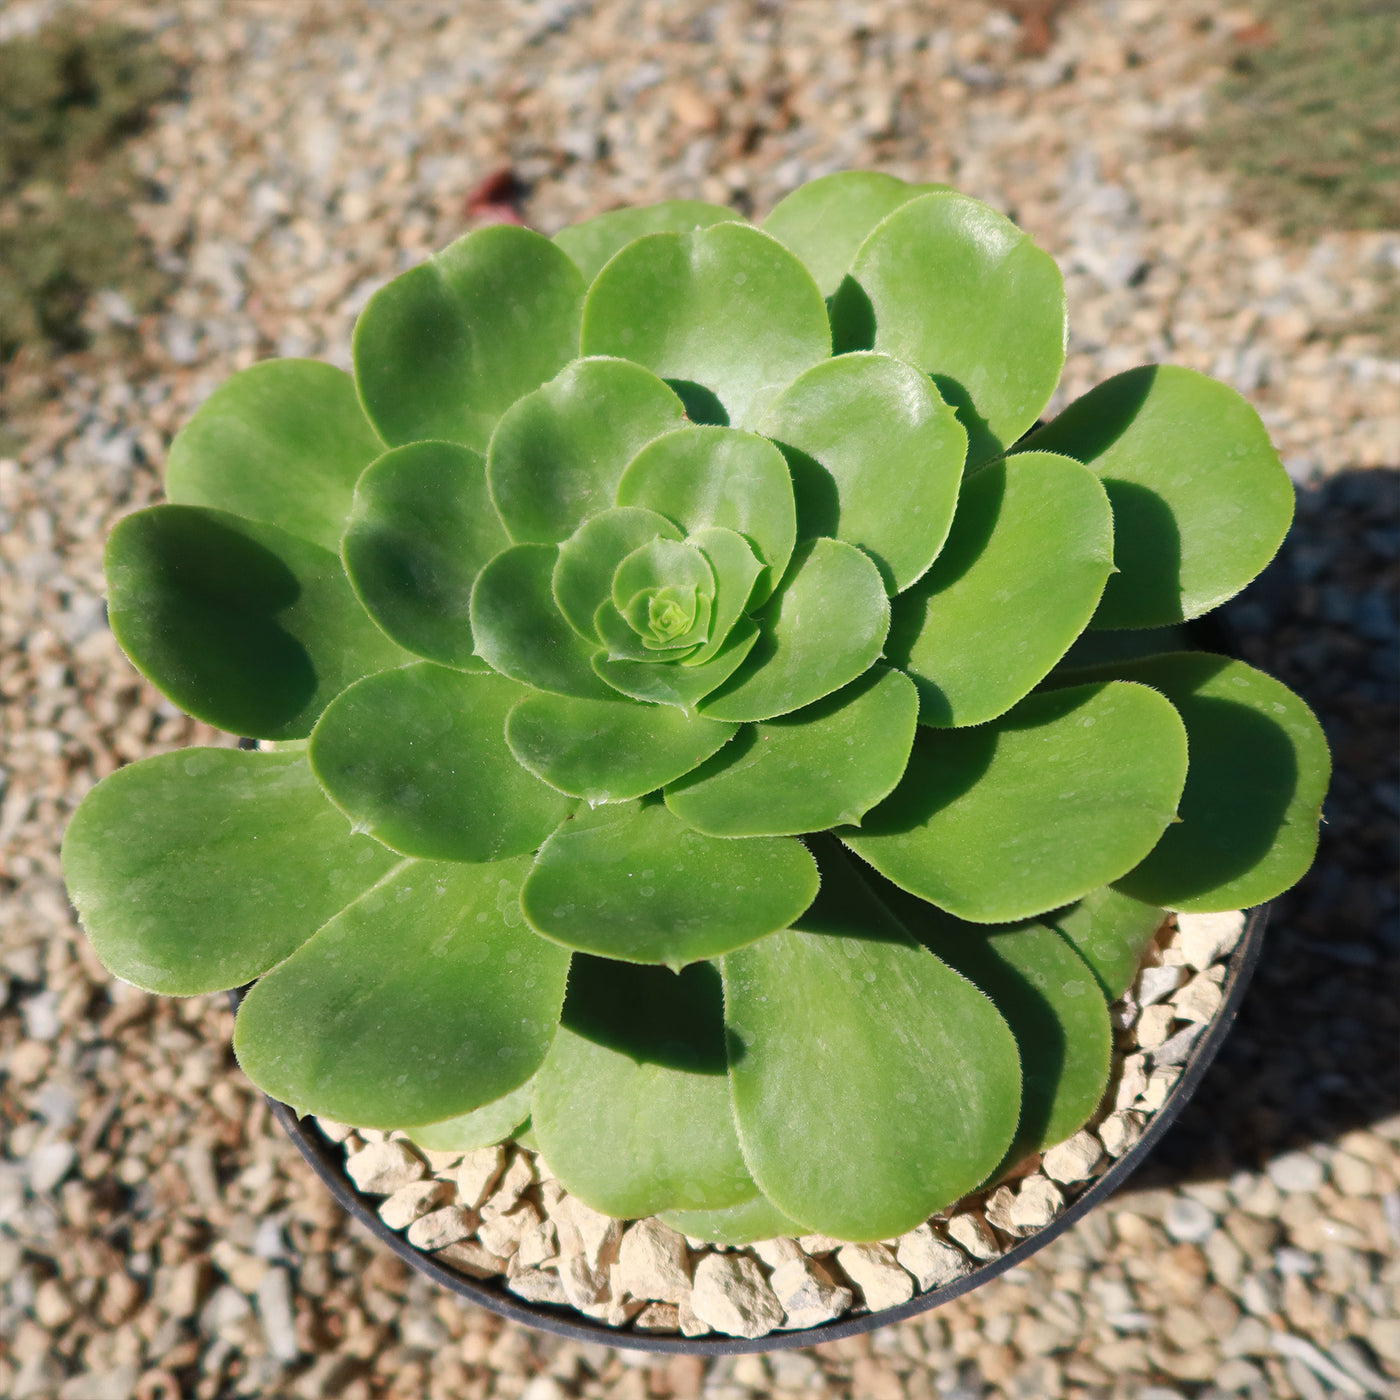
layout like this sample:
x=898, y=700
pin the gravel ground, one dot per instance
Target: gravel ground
x=158, y=1238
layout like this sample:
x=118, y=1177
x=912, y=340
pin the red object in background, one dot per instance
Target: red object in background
x=496, y=199
x=1037, y=19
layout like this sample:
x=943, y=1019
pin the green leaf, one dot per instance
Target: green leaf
x=700, y=477
x=872, y=1083
x=632, y=881
x=659, y=589
x=1051, y=1001
x=519, y=630
x=240, y=624
x=418, y=758
x=591, y=243
x=876, y=458
x=1200, y=500
x=958, y=290
x=446, y=347
x=282, y=442
x=1259, y=772
x=823, y=628
x=609, y=750
x=736, y=569
x=826, y=220
x=1064, y=793
x=557, y=455
x=1020, y=576
x=820, y=766
x=725, y=307
x=623, y=644
x=482, y=1127
x=631, y=1106
x=583, y=575
x=748, y=1222
x=1110, y=931
x=420, y=532
x=196, y=871
x=350, y=1028
x=683, y=685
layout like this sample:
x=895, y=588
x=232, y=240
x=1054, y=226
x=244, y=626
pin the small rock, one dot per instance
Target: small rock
x=1119, y=1132
x=501, y=1234
x=781, y=1250
x=973, y=1233
x=1188, y=1222
x=1175, y=1050
x=539, y=1244
x=117, y=1384
x=408, y=1203
x=384, y=1167
x=818, y=1244
x=932, y=1261
x=653, y=1263
x=1201, y=938
x=47, y=1166
x=515, y=1180
x=1154, y=1026
x=1154, y=983
x=808, y=1293
x=1160, y=1083
x=337, y=1132
x=442, y=1164
x=691, y=1326
x=469, y=1257
x=1200, y=998
x=583, y=1286
x=1352, y=1176
x=658, y=1317
x=441, y=1227
x=537, y=1286
x=274, y=1307
x=583, y=1230
x=1074, y=1159
x=732, y=1296
x=477, y=1175
x=873, y=1270
x=1037, y=1203
x=1132, y=1080
x=1226, y=1259
x=998, y=1209
x=1250, y=1337
x=1295, y=1173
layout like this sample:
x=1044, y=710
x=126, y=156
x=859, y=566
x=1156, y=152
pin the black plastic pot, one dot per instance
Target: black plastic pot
x=327, y=1160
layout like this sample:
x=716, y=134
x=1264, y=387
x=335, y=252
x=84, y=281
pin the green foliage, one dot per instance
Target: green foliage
x=69, y=96
x=645, y=646
x=1309, y=117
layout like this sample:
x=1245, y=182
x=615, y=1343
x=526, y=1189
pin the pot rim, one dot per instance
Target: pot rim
x=327, y=1161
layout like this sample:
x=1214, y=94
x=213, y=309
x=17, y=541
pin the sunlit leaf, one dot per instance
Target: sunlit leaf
x=1110, y=931
x=591, y=243
x=683, y=685
x=754, y=1219
x=481, y=1127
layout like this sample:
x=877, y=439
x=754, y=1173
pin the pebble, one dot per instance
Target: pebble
x=653, y=1262
x=1188, y=1221
x=732, y=1295
x=1037, y=1203
x=808, y=1294
x=384, y=1167
x=874, y=1270
x=1296, y=1173
x=1074, y=1159
x=399, y=1210
x=971, y=1231
x=441, y=1227
x=932, y=1261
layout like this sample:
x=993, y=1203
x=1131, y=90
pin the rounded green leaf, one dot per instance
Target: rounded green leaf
x=737, y=570
x=1016, y=583
x=481, y=1127
x=872, y=1084
x=520, y=631
x=631, y=1106
x=1064, y=793
x=1110, y=931
x=826, y=220
x=700, y=477
x=682, y=685
x=876, y=458
x=633, y=882
x=958, y=290
x=446, y=347
x=1200, y=500
x=748, y=1222
x=820, y=766
x=196, y=871
x=823, y=628
x=418, y=758
x=1253, y=799
x=588, y=559
x=1052, y=1002
x=239, y=623
x=591, y=243
x=421, y=530
x=282, y=442
x=725, y=307
x=557, y=455
x=664, y=590
x=350, y=1028
x=623, y=644
x=609, y=750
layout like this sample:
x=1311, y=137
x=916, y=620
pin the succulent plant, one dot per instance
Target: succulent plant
x=701, y=712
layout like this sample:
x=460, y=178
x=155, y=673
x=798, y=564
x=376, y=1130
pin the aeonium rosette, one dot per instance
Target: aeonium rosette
x=701, y=714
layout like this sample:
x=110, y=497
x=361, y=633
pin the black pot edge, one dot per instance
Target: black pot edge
x=327, y=1161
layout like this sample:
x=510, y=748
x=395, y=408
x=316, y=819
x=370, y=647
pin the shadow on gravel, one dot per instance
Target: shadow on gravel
x=1314, y=1051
